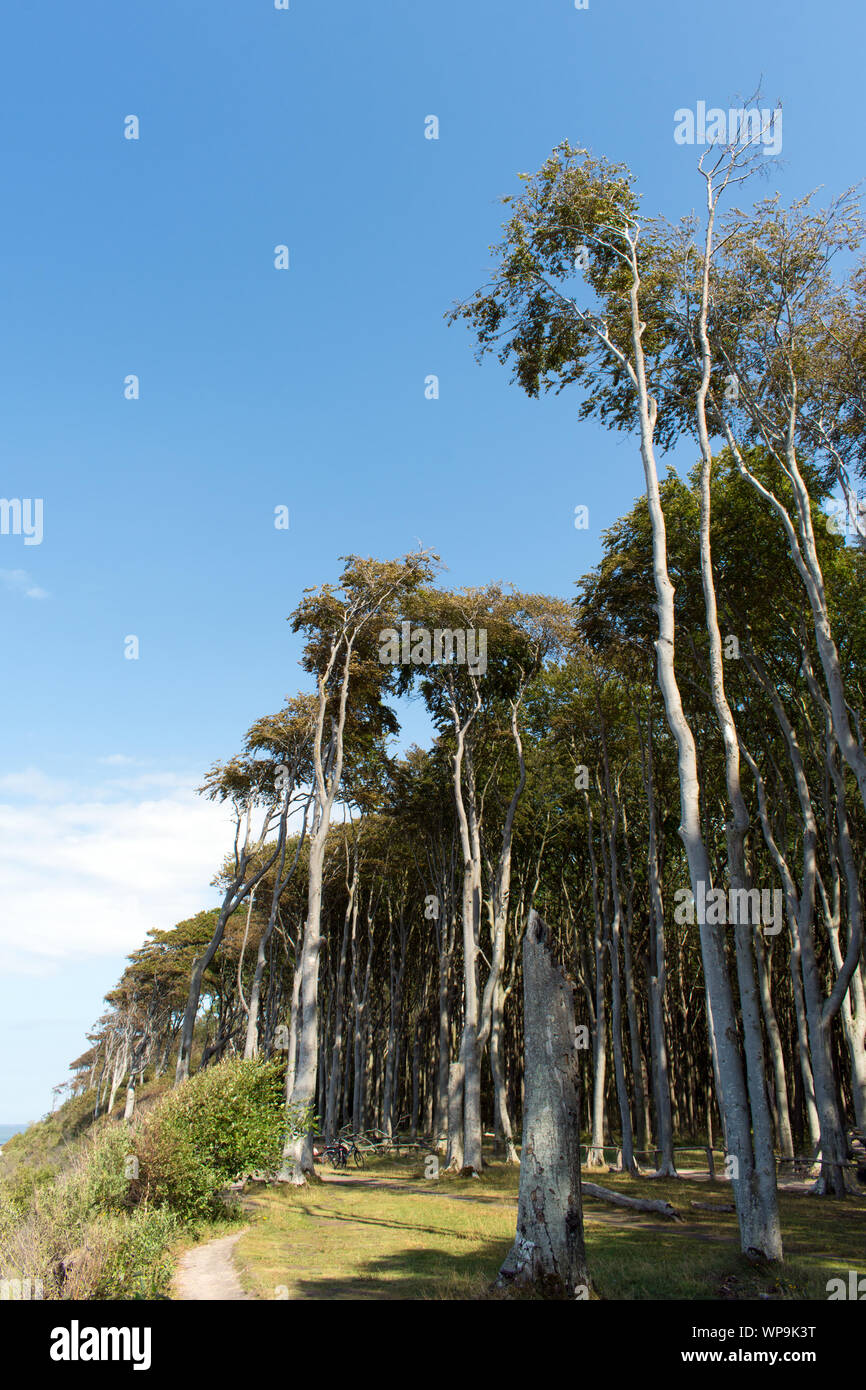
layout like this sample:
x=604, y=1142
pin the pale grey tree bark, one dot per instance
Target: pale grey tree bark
x=638, y=1065
x=239, y=888
x=758, y=1221
x=501, y=1118
x=350, y=921
x=281, y=883
x=292, y=1049
x=761, y=1168
x=804, y=553
x=120, y=1067
x=328, y=770
x=801, y=907
x=794, y=959
x=657, y=974
x=610, y=824
x=548, y=1251
x=774, y=1039
x=395, y=1007
x=847, y=994
x=470, y=843
x=493, y=998
x=360, y=996
x=595, y=1152
x=454, y=1154
x=442, y=872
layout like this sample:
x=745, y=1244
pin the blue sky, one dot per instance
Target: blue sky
x=303, y=388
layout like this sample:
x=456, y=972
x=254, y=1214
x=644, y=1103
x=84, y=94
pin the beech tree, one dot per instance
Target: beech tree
x=573, y=204
x=592, y=843
x=340, y=651
x=247, y=784
x=693, y=717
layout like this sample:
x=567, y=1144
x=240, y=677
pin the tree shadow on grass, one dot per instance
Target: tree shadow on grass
x=402, y=1275
x=405, y=1186
x=389, y=1223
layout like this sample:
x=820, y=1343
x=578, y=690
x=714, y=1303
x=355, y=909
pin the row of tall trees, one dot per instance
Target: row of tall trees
x=670, y=766
x=552, y=780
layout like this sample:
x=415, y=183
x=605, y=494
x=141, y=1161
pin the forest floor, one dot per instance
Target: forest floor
x=388, y=1233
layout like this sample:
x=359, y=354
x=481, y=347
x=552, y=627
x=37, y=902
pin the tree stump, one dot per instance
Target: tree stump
x=548, y=1253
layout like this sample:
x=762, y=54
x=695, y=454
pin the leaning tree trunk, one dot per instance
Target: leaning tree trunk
x=129, y=1108
x=548, y=1252
x=118, y=1074
x=760, y=1166
x=758, y=1222
x=501, y=1117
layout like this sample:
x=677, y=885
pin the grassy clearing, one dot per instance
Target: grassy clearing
x=355, y=1240
x=387, y=1233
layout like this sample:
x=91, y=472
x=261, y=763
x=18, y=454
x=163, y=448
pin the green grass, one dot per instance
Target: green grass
x=699, y=1258
x=342, y=1241
x=412, y=1238
x=446, y=1239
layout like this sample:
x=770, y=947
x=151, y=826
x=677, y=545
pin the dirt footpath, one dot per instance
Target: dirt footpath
x=208, y=1272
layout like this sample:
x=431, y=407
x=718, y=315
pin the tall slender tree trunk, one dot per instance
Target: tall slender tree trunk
x=502, y=1119
x=782, y=1113
x=444, y=1049
x=657, y=977
x=758, y=1223
x=336, y=1067
x=595, y=1152
x=298, y=1150
x=757, y=1149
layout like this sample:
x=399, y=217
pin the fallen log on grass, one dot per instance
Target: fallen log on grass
x=656, y=1207
x=713, y=1206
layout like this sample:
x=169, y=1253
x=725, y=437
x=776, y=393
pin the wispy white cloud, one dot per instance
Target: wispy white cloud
x=20, y=582
x=87, y=871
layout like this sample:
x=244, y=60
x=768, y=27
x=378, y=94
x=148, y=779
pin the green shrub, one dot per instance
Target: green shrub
x=18, y=1190
x=104, y=1183
x=225, y=1122
x=172, y=1172
x=138, y=1263
x=104, y=1227
x=236, y=1112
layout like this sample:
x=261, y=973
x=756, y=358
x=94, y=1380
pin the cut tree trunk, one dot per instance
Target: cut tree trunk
x=548, y=1252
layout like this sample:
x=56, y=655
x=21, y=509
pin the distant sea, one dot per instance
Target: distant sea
x=6, y=1132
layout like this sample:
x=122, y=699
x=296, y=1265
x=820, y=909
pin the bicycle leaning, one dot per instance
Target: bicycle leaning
x=339, y=1153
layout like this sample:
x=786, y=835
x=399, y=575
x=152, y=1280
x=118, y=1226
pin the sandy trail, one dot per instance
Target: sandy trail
x=208, y=1272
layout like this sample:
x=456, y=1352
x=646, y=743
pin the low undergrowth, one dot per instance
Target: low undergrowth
x=104, y=1221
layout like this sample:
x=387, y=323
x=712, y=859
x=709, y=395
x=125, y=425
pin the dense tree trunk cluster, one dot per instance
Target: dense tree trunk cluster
x=565, y=799
x=670, y=769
